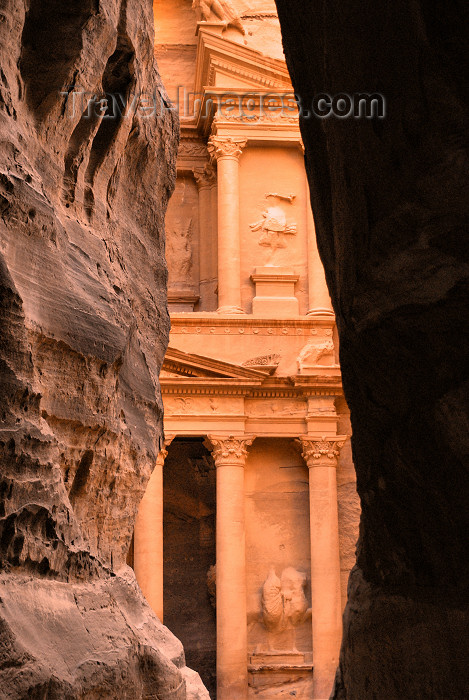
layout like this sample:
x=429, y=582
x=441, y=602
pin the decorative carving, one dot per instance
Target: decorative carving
x=188, y=148
x=277, y=407
x=179, y=252
x=284, y=604
x=230, y=450
x=325, y=450
x=189, y=405
x=218, y=147
x=313, y=352
x=204, y=177
x=222, y=9
x=273, y=117
x=274, y=225
x=263, y=361
x=162, y=454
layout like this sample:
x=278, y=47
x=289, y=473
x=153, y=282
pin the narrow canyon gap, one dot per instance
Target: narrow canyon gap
x=84, y=328
x=391, y=206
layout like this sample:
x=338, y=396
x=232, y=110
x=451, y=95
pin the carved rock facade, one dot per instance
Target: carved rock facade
x=391, y=212
x=84, y=331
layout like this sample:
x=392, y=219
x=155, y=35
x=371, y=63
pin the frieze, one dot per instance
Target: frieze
x=190, y=147
x=189, y=405
x=271, y=407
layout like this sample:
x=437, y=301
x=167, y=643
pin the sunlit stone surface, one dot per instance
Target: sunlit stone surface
x=259, y=505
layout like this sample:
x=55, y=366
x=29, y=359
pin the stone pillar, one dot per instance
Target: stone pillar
x=232, y=674
x=319, y=301
x=321, y=457
x=227, y=152
x=148, y=538
x=205, y=180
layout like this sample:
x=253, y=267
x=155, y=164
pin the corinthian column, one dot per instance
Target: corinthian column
x=321, y=458
x=227, y=151
x=148, y=538
x=319, y=301
x=232, y=676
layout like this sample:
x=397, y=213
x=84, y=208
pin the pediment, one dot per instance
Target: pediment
x=184, y=364
x=223, y=63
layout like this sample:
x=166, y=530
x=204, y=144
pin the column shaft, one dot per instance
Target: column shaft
x=227, y=153
x=321, y=458
x=319, y=301
x=148, y=540
x=205, y=178
x=232, y=675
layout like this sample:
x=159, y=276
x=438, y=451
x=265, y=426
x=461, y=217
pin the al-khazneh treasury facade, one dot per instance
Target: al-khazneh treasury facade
x=246, y=534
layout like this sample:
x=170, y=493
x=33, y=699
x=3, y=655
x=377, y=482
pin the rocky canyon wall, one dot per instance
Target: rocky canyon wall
x=391, y=207
x=84, y=328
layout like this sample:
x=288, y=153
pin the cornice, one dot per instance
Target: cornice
x=201, y=386
x=209, y=320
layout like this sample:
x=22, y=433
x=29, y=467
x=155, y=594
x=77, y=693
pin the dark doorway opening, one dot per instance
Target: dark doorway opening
x=189, y=552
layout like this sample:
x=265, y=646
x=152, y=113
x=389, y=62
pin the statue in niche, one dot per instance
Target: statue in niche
x=221, y=9
x=179, y=252
x=284, y=604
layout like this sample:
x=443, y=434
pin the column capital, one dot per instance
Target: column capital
x=230, y=450
x=204, y=177
x=222, y=147
x=163, y=453
x=321, y=452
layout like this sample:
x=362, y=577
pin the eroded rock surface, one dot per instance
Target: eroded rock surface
x=84, y=329
x=391, y=208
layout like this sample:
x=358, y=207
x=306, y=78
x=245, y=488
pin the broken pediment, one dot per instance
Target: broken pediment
x=179, y=363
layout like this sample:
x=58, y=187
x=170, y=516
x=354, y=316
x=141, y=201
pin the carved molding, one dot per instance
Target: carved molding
x=321, y=452
x=230, y=450
x=223, y=147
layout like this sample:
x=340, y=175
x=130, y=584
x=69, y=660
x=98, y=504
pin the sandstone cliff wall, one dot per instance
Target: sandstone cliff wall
x=391, y=208
x=84, y=328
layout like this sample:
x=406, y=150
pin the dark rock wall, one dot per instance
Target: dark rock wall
x=391, y=206
x=84, y=328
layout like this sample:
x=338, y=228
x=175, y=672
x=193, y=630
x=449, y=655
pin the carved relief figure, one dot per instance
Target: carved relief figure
x=179, y=252
x=221, y=9
x=274, y=228
x=284, y=604
x=314, y=351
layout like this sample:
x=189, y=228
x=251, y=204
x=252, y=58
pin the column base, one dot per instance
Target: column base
x=230, y=310
x=320, y=312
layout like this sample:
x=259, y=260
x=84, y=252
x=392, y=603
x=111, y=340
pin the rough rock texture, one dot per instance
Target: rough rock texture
x=391, y=207
x=84, y=329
